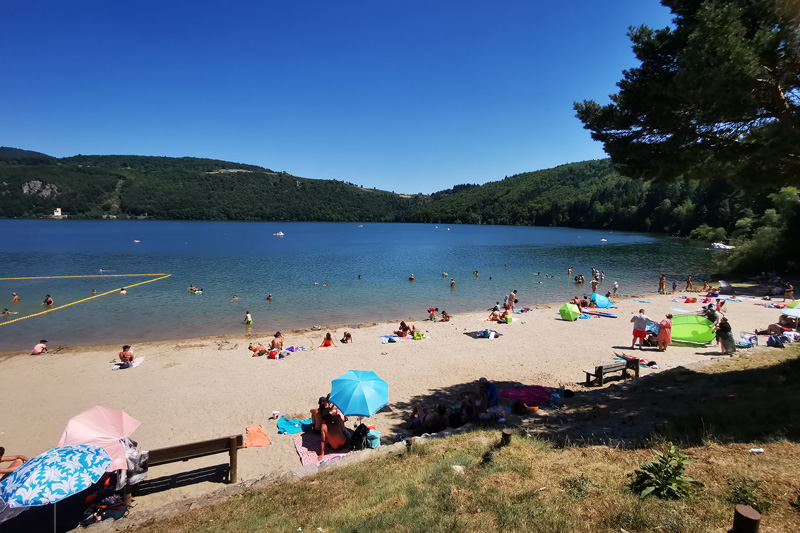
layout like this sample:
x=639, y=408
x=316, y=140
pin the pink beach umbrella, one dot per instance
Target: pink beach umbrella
x=104, y=427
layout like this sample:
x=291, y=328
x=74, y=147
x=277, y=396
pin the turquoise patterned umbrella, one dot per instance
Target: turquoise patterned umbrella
x=54, y=475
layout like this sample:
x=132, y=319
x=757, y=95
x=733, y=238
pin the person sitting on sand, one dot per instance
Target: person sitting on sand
x=333, y=432
x=258, y=349
x=347, y=337
x=40, y=348
x=324, y=407
x=15, y=462
x=445, y=317
x=126, y=357
x=491, y=391
x=277, y=341
x=494, y=316
x=327, y=342
x=404, y=330
x=48, y=301
x=429, y=421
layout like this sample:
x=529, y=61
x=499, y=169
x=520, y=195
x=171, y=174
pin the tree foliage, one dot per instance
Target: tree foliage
x=715, y=96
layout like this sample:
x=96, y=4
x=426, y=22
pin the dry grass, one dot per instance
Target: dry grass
x=521, y=487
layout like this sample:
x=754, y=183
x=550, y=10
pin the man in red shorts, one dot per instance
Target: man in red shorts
x=639, y=328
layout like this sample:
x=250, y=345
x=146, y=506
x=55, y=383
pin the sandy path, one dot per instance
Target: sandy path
x=209, y=387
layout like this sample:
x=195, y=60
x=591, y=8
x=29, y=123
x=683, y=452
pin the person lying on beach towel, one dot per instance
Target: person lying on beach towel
x=428, y=421
x=258, y=349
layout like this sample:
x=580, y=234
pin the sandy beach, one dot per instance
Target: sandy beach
x=209, y=387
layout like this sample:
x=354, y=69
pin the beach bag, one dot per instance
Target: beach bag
x=775, y=342
x=373, y=438
x=785, y=339
x=359, y=439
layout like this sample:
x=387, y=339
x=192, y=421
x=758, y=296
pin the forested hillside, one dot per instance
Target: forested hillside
x=590, y=194
x=33, y=185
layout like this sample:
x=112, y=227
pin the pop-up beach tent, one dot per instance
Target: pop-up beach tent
x=725, y=288
x=601, y=301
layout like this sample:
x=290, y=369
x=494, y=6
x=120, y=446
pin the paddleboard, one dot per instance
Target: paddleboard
x=692, y=328
x=599, y=313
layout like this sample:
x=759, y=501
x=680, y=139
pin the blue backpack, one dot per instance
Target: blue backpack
x=775, y=342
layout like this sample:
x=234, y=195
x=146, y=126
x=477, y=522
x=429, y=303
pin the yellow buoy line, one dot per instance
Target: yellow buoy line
x=93, y=276
x=162, y=276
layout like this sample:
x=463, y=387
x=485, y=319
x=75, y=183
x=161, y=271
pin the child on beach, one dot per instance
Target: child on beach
x=674, y=286
x=247, y=318
x=348, y=337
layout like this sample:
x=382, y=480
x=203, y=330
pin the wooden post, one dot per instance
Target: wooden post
x=233, y=452
x=505, y=438
x=746, y=519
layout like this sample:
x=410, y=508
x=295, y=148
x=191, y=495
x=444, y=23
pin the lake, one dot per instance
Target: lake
x=246, y=259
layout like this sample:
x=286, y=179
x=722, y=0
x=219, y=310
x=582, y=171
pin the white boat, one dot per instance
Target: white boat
x=721, y=246
x=279, y=234
x=603, y=240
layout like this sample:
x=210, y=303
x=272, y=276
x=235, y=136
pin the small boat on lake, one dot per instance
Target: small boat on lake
x=722, y=246
x=279, y=234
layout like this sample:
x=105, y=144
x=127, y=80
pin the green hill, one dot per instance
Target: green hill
x=591, y=194
x=182, y=189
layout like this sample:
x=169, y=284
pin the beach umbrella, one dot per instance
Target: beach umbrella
x=791, y=312
x=793, y=304
x=569, y=312
x=104, y=427
x=53, y=476
x=359, y=393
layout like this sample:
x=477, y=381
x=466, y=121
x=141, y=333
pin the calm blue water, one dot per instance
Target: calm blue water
x=227, y=258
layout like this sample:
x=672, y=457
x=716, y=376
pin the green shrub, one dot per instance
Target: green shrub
x=663, y=477
x=578, y=487
x=745, y=491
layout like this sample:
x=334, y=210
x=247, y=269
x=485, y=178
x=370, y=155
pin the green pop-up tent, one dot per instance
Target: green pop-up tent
x=569, y=312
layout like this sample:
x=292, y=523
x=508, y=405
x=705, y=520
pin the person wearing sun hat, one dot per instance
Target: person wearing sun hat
x=40, y=348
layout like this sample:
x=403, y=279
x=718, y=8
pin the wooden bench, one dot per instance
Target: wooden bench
x=184, y=452
x=601, y=371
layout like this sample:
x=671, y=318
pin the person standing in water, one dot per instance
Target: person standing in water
x=247, y=318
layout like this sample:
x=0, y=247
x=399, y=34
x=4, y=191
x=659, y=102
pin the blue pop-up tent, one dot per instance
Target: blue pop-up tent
x=601, y=301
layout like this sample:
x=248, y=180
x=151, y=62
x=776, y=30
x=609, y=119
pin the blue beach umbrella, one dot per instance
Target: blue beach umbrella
x=359, y=393
x=54, y=475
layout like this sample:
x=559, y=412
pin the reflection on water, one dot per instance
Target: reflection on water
x=246, y=259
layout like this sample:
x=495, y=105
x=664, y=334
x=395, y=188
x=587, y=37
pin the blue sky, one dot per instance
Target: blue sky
x=404, y=95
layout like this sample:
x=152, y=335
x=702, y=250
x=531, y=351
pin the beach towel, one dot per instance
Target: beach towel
x=295, y=349
x=308, y=446
x=288, y=426
x=531, y=395
x=256, y=437
x=326, y=347
x=394, y=338
x=136, y=362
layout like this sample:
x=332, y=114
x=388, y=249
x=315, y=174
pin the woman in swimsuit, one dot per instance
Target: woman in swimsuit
x=327, y=342
x=277, y=341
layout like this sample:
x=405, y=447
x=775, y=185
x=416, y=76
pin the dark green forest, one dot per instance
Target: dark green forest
x=589, y=194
